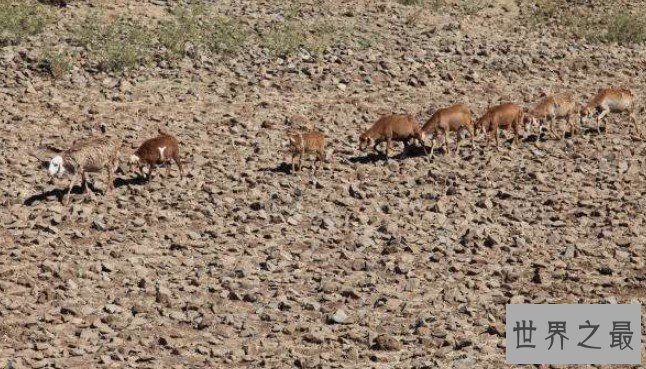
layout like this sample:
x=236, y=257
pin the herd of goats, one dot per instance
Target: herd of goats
x=96, y=154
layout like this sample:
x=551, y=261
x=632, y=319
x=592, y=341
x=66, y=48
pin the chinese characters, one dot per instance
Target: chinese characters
x=621, y=334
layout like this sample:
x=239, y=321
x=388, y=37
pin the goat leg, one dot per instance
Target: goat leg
x=179, y=164
x=599, y=117
x=422, y=144
x=447, y=150
x=432, y=145
x=109, y=184
x=496, y=134
x=66, y=198
x=472, y=133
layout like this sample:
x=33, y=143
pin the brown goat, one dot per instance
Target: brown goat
x=389, y=128
x=158, y=150
x=506, y=116
x=302, y=143
x=454, y=118
x=554, y=107
x=607, y=100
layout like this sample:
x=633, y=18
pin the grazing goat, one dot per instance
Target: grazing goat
x=454, y=118
x=301, y=143
x=85, y=156
x=554, y=107
x=505, y=116
x=155, y=151
x=398, y=127
x=607, y=100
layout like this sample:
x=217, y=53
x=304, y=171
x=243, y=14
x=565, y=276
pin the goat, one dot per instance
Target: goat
x=553, y=107
x=155, y=151
x=505, y=116
x=453, y=118
x=301, y=143
x=85, y=156
x=397, y=127
x=607, y=100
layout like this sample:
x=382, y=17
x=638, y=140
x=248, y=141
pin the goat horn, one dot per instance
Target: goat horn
x=37, y=157
x=54, y=148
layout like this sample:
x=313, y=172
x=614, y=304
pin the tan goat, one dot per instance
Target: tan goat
x=301, y=143
x=554, y=107
x=506, y=116
x=389, y=128
x=454, y=118
x=611, y=100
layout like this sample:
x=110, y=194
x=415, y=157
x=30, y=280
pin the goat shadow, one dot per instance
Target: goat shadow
x=534, y=138
x=592, y=130
x=283, y=167
x=78, y=189
x=409, y=152
x=286, y=168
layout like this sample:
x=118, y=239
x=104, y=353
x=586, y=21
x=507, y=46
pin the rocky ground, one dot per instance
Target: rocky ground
x=406, y=263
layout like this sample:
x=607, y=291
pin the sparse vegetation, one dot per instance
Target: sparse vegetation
x=544, y=12
x=224, y=36
x=115, y=46
x=625, y=28
x=289, y=37
x=285, y=39
x=435, y=5
x=473, y=7
x=122, y=44
x=196, y=26
x=577, y=19
x=55, y=63
x=20, y=19
x=180, y=29
x=412, y=2
x=365, y=41
x=321, y=36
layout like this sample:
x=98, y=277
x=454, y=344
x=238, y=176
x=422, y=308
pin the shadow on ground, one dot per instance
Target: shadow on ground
x=78, y=190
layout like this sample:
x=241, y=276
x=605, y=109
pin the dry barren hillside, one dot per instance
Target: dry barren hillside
x=405, y=263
